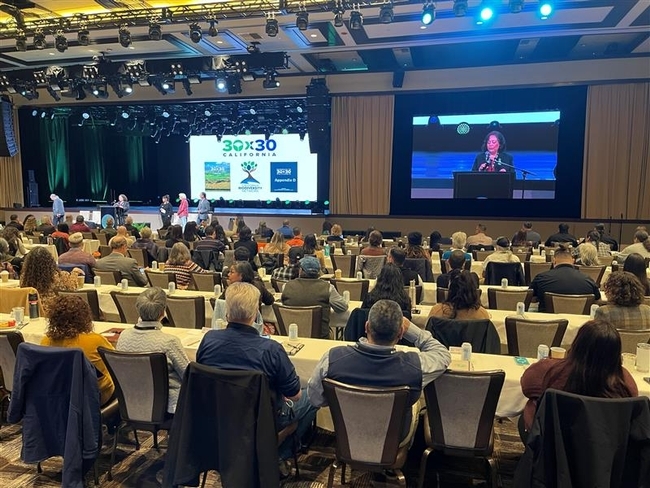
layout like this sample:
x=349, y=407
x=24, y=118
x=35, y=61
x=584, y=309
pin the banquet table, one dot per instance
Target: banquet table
x=90, y=245
x=50, y=247
x=10, y=284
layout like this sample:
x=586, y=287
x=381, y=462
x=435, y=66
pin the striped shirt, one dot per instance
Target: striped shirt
x=183, y=273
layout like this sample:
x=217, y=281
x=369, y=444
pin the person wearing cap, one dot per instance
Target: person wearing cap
x=76, y=254
x=79, y=225
x=502, y=254
x=292, y=270
x=414, y=249
x=308, y=290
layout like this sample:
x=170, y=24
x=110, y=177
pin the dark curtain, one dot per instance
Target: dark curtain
x=54, y=143
x=93, y=156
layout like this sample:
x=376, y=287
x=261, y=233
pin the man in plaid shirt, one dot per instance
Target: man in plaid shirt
x=289, y=272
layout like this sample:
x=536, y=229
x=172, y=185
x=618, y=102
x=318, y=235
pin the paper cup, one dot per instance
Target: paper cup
x=558, y=353
x=80, y=281
x=4, y=276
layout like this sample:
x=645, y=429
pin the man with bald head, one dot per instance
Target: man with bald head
x=118, y=261
x=121, y=231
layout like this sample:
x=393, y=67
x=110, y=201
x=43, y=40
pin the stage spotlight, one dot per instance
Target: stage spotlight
x=516, y=6
x=356, y=20
x=187, y=87
x=338, y=19
x=460, y=8
x=212, y=30
x=386, y=13
x=34, y=113
x=128, y=89
x=124, y=114
x=81, y=93
x=124, y=36
x=221, y=84
x=21, y=42
x=165, y=114
x=196, y=34
x=39, y=40
x=486, y=12
x=83, y=37
x=53, y=93
x=302, y=20
x=545, y=9
x=100, y=91
x=155, y=31
x=60, y=42
x=428, y=14
x=270, y=82
x=272, y=27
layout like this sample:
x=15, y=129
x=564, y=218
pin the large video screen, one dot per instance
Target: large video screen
x=485, y=155
x=251, y=167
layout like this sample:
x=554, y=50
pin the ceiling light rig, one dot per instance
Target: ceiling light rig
x=428, y=13
x=155, y=31
x=356, y=19
x=60, y=42
x=196, y=34
x=83, y=37
x=212, y=30
x=516, y=6
x=486, y=12
x=302, y=20
x=124, y=36
x=270, y=81
x=272, y=27
x=386, y=14
x=460, y=8
x=545, y=9
x=338, y=12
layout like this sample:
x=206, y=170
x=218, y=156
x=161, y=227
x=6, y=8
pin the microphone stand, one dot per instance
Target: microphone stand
x=524, y=173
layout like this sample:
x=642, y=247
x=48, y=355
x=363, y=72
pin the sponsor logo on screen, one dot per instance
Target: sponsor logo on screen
x=284, y=177
x=249, y=184
x=257, y=148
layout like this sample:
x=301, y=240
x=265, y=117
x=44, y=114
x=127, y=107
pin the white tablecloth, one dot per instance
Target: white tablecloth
x=50, y=247
x=10, y=284
x=91, y=245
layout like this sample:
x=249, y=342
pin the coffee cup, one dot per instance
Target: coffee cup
x=80, y=281
x=161, y=266
x=4, y=276
x=338, y=274
x=262, y=272
x=558, y=353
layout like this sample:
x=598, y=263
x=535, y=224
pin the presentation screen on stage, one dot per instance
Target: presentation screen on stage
x=250, y=167
x=485, y=155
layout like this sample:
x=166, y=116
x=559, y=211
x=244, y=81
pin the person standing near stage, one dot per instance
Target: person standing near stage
x=166, y=211
x=183, y=209
x=122, y=207
x=58, y=211
x=203, y=208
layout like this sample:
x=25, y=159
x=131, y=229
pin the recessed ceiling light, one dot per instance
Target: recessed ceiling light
x=313, y=35
x=51, y=54
x=423, y=27
x=219, y=42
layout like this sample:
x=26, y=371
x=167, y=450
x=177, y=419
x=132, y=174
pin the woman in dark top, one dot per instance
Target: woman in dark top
x=389, y=286
x=635, y=264
x=493, y=156
x=190, y=234
x=434, y=240
x=220, y=234
x=246, y=240
x=242, y=271
x=174, y=235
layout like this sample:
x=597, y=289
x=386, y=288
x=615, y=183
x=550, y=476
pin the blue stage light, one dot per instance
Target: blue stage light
x=486, y=13
x=428, y=14
x=545, y=9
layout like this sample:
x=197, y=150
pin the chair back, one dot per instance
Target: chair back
x=481, y=334
x=88, y=235
x=421, y=266
x=104, y=250
x=467, y=266
x=495, y=272
x=161, y=279
x=90, y=297
x=443, y=293
x=460, y=412
x=186, y=313
x=533, y=269
x=206, y=281
x=594, y=272
x=109, y=277
x=630, y=339
x=344, y=263
x=16, y=297
x=605, y=260
x=525, y=335
x=271, y=261
x=102, y=238
x=358, y=288
x=574, y=304
x=370, y=266
x=141, y=384
x=9, y=342
x=206, y=258
x=355, y=250
x=228, y=257
x=500, y=299
x=140, y=255
x=61, y=246
x=125, y=303
x=481, y=255
x=308, y=319
x=418, y=293
x=367, y=422
x=278, y=284
x=646, y=300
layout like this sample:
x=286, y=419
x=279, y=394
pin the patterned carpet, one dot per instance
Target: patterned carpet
x=143, y=468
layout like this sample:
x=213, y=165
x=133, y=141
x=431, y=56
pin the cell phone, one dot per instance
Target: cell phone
x=647, y=379
x=521, y=361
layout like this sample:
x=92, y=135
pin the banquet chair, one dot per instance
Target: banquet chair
x=421, y=266
x=228, y=258
x=459, y=420
x=308, y=319
x=605, y=260
x=9, y=342
x=574, y=304
x=87, y=235
x=186, y=312
x=90, y=297
x=443, y=266
x=495, y=272
x=442, y=293
x=630, y=339
x=102, y=238
x=481, y=334
x=368, y=425
x=206, y=258
x=161, y=279
x=125, y=303
x=370, y=266
x=277, y=260
x=109, y=277
x=140, y=255
x=419, y=289
x=206, y=281
x=525, y=335
x=142, y=388
x=358, y=288
x=345, y=263
x=104, y=250
x=500, y=299
x=533, y=269
x=88, y=273
x=17, y=297
x=481, y=255
x=278, y=284
x=594, y=272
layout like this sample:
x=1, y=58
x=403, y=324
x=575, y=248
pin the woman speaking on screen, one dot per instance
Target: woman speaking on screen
x=494, y=157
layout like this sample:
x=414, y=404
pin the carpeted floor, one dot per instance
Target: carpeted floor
x=143, y=468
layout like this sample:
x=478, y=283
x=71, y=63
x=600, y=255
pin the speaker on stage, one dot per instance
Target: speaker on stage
x=8, y=145
x=318, y=115
x=32, y=194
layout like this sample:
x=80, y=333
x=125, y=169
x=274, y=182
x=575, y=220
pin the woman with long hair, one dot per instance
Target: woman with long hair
x=180, y=263
x=593, y=237
x=12, y=236
x=463, y=300
x=414, y=249
x=592, y=368
x=70, y=325
x=587, y=255
x=635, y=264
x=175, y=235
x=389, y=286
x=191, y=234
x=277, y=245
x=311, y=247
x=29, y=225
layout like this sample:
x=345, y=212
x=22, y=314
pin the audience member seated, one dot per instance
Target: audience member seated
x=414, y=249
x=605, y=237
x=109, y=230
x=174, y=235
x=458, y=241
x=635, y=264
x=292, y=270
x=29, y=225
x=242, y=272
x=63, y=233
x=502, y=254
x=145, y=242
x=191, y=233
x=455, y=261
x=587, y=255
x=479, y=239
x=39, y=271
x=562, y=278
x=592, y=368
x=246, y=241
x=132, y=229
x=463, y=299
x=519, y=239
x=337, y=235
x=375, y=242
x=46, y=228
x=79, y=225
x=12, y=236
x=311, y=248
x=286, y=230
x=121, y=231
x=147, y=336
x=397, y=256
x=6, y=259
x=389, y=286
x=366, y=236
x=641, y=246
x=76, y=254
x=296, y=240
x=180, y=263
x=593, y=237
x=15, y=223
x=240, y=347
x=625, y=308
x=277, y=245
x=70, y=324
x=435, y=240
x=359, y=365
x=118, y=261
x=264, y=232
x=326, y=228
x=308, y=290
x=562, y=237
x=531, y=237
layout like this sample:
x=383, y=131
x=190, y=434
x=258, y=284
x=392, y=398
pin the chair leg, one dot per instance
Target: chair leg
x=39, y=469
x=342, y=473
x=110, y=466
x=401, y=478
x=96, y=472
x=423, y=467
x=137, y=441
x=330, y=478
x=155, y=440
x=492, y=472
x=296, y=446
x=205, y=477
